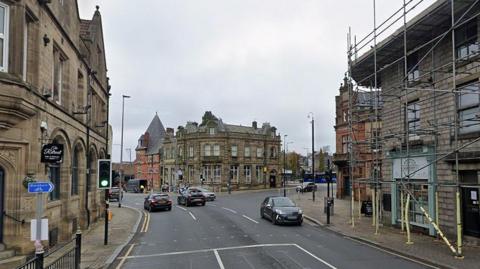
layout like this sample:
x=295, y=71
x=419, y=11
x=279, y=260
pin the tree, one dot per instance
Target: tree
x=321, y=162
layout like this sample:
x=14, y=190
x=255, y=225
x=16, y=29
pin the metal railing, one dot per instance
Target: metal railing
x=65, y=257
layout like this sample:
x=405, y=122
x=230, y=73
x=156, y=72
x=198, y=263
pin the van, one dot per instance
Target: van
x=133, y=185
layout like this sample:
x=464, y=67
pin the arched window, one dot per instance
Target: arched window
x=75, y=171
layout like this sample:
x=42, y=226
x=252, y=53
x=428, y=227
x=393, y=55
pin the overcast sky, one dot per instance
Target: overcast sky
x=265, y=60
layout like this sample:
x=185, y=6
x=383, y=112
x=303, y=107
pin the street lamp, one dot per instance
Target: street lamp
x=310, y=115
x=121, y=150
x=284, y=163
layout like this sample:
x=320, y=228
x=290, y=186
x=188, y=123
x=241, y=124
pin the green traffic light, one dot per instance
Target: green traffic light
x=104, y=183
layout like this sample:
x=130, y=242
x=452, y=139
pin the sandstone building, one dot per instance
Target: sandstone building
x=53, y=89
x=217, y=153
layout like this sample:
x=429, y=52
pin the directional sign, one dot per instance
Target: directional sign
x=40, y=187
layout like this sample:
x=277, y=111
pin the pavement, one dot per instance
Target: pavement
x=230, y=233
x=122, y=228
x=390, y=239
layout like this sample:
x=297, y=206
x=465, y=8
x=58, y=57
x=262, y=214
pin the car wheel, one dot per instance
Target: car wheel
x=261, y=214
x=300, y=223
x=187, y=204
x=150, y=209
x=274, y=219
x=169, y=208
x=178, y=201
x=203, y=204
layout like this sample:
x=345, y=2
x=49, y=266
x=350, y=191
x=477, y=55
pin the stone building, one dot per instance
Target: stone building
x=423, y=98
x=364, y=131
x=147, y=161
x=218, y=153
x=53, y=89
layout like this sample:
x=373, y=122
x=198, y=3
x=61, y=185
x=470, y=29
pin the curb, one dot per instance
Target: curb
x=130, y=237
x=378, y=246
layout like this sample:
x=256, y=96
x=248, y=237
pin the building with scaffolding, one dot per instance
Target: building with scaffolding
x=427, y=76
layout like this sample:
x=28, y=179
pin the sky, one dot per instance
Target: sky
x=266, y=60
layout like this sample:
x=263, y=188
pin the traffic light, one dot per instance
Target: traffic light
x=104, y=180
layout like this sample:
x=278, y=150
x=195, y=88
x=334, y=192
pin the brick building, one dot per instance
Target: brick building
x=431, y=109
x=53, y=89
x=363, y=132
x=215, y=151
x=147, y=161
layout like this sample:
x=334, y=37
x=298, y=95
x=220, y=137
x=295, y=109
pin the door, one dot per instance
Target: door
x=346, y=186
x=272, y=181
x=2, y=200
x=471, y=211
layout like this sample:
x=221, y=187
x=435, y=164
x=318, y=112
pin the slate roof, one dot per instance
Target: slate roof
x=156, y=133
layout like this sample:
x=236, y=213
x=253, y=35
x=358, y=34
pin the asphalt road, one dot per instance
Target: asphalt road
x=229, y=233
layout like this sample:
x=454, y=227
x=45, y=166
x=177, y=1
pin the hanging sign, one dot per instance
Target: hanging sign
x=52, y=153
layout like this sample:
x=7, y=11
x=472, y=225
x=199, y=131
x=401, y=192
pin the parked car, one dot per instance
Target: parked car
x=209, y=195
x=114, y=194
x=157, y=201
x=310, y=186
x=281, y=210
x=191, y=196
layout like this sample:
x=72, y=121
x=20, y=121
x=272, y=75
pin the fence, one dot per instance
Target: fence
x=66, y=257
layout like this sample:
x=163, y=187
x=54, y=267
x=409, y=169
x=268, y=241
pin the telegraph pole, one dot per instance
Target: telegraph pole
x=121, y=151
x=313, y=152
x=284, y=163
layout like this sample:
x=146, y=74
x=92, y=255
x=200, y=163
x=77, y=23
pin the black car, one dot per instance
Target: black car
x=281, y=210
x=191, y=196
x=310, y=186
x=157, y=201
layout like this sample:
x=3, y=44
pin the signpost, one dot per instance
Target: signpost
x=52, y=153
x=39, y=188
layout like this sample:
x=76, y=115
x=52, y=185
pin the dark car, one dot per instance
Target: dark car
x=114, y=194
x=281, y=210
x=310, y=186
x=157, y=201
x=191, y=196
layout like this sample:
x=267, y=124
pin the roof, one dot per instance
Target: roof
x=429, y=25
x=156, y=134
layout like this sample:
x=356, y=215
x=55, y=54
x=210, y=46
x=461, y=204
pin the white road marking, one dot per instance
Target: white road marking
x=315, y=257
x=192, y=215
x=391, y=253
x=212, y=204
x=207, y=250
x=181, y=208
x=231, y=210
x=219, y=260
x=250, y=219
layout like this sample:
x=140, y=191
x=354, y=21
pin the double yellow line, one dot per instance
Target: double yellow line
x=146, y=222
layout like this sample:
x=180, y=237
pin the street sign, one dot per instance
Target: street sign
x=52, y=153
x=40, y=187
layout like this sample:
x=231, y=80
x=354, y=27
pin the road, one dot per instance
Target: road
x=229, y=233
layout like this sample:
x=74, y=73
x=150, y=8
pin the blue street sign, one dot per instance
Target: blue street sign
x=40, y=187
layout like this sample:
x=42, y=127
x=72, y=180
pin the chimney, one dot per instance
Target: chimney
x=254, y=125
x=170, y=131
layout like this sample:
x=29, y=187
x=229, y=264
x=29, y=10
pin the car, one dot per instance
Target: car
x=209, y=195
x=157, y=201
x=281, y=210
x=114, y=194
x=191, y=196
x=310, y=186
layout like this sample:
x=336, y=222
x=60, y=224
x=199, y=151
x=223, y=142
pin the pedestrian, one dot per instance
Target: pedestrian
x=142, y=188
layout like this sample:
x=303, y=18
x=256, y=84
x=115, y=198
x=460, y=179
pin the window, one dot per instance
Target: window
x=234, y=151
x=248, y=174
x=466, y=44
x=345, y=144
x=234, y=173
x=216, y=150
x=247, y=152
x=25, y=48
x=4, y=19
x=259, y=152
x=54, y=171
x=180, y=151
x=217, y=173
x=412, y=67
x=75, y=172
x=191, y=173
x=207, y=150
x=211, y=131
x=273, y=152
x=259, y=174
x=207, y=173
x=190, y=152
x=57, y=76
x=413, y=118
x=468, y=108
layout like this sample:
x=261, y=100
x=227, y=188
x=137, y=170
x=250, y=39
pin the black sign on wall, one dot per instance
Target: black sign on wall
x=52, y=153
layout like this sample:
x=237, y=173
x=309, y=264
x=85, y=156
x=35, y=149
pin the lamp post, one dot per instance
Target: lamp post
x=284, y=163
x=313, y=152
x=121, y=150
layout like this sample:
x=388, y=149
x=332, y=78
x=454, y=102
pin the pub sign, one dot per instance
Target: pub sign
x=52, y=153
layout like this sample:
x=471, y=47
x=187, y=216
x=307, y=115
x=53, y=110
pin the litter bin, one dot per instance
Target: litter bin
x=367, y=208
x=326, y=202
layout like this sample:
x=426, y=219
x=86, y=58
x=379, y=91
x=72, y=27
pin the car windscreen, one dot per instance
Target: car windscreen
x=282, y=202
x=194, y=191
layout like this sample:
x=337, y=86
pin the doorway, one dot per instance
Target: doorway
x=2, y=201
x=471, y=211
x=273, y=181
x=346, y=186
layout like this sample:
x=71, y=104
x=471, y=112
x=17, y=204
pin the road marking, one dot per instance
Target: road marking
x=122, y=259
x=231, y=210
x=146, y=222
x=372, y=245
x=250, y=219
x=315, y=257
x=181, y=207
x=192, y=215
x=212, y=204
x=208, y=250
x=219, y=260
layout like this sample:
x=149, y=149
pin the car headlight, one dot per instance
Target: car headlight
x=278, y=211
x=300, y=211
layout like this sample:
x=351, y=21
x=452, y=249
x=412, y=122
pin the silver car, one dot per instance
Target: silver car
x=209, y=195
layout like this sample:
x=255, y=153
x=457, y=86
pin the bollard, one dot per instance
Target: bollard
x=78, y=249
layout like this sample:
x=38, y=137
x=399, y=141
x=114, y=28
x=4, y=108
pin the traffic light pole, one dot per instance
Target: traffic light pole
x=105, y=238
x=329, y=178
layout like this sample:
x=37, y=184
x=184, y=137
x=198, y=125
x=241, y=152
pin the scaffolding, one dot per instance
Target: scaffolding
x=402, y=89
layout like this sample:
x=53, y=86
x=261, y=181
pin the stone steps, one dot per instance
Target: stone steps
x=6, y=254
x=12, y=262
